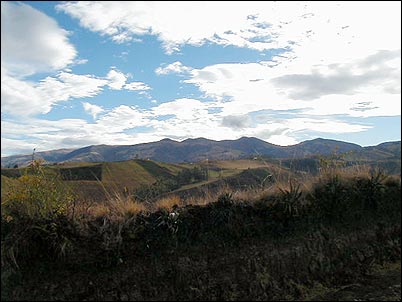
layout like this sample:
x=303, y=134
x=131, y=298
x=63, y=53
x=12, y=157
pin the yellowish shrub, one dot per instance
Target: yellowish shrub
x=36, y=196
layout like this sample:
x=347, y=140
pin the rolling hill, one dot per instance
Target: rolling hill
x=195, y=150
x=102, y=180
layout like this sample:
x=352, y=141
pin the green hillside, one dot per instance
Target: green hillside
x=146, y=179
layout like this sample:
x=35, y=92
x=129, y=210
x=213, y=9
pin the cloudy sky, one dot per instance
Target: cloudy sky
x=82, y=73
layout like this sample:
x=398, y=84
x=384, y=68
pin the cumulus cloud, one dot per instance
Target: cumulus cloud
x=184, y=109
x=331, y=66
x=119, y=126
x=329, y=62
x=334, y=88
x=124, y=117
x=116, y=78
x=22, y=98
x=177, y=24
x=255, y=25
x=92, y=109
x=67, y=85
x=347, y=78
x=32, y=42
x=176, y=67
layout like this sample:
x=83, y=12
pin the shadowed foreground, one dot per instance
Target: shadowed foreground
x=325, y=244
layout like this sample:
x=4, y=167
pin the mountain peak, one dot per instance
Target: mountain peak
x=167, y=140
x=198, y=139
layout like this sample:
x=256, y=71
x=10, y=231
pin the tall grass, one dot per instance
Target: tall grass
x=118, y=207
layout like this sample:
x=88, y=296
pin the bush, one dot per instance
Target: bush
x=371, y=190
x=331, y=199
x=34, y=218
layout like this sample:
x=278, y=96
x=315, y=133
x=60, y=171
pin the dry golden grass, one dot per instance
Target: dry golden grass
x=118, y=205
x=168, y=202
x=116, y=208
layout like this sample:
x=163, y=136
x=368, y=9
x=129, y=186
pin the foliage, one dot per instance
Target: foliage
x=288, y=205
x=36, y=196
x=33, y=215
x=331, y=198
x=372, y=189
x=188, y=176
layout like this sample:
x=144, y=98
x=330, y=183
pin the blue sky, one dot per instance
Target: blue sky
x=118, y=73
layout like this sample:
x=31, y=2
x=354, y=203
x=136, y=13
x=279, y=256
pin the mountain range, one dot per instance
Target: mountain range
x=194, y=150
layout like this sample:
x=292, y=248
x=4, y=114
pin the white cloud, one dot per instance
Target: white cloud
x=181, y=23
x=32, y=42
x=116, y=79
x=81, y=61
x=122, y=118
x=178, y=119
x=136, y=86
x=332, y=64
x=336, y=88
x=176, y=67
x=92, y=109
x=16, y=146
x=22, y=98
x=338, y=59
x=68, y=85
x=71, y=133
x=184, y=109
x=256, y=25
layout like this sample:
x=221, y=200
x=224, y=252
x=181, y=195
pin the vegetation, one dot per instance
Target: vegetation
x=278, y=239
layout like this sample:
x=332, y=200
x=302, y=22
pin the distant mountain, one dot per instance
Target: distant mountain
x=194, y=150
x=385, y=150
x=320, y=146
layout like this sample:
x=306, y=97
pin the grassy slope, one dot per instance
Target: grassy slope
x=128, y=176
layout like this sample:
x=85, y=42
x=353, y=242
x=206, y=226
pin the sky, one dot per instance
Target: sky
x=75, y=74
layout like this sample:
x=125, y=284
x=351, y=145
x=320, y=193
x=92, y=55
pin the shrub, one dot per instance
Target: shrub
x=36, y=196
x=288, y=205
x=371, y=190
x=34, y=221
x=331, y=199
